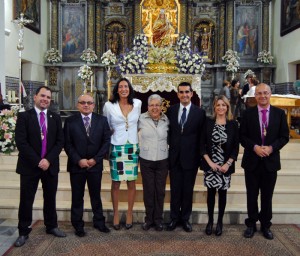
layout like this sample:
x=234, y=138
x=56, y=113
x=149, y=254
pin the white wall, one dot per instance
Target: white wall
x=2, y=50
x=286, y=49
x=35, y=46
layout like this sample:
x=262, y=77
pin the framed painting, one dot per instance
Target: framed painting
x=247, y=29
x=31, y=10
x=72, y=31
x=290, y=16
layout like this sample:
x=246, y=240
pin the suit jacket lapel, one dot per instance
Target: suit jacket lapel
x=93, y=124
x=35, y=123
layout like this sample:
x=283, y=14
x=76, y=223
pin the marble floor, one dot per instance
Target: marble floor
x=8, y=234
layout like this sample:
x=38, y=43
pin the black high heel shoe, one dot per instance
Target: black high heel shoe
x=219, y=229
x=128, y=226
x=117, y=226
x=208, y=229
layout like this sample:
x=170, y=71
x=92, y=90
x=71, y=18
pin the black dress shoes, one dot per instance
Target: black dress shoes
x=159, y=227
x=103, y=229
x=249, y=232
x=21, y=241
x=128, y=226
x=208, y=229
x=146, y=226
x=219, y=229
x=187, y=226
x=117, y=226
x=80, y=232
x=56, y=232
x=172, y=225
x=267, y=233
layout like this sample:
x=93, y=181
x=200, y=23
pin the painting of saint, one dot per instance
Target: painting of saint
x=162, y=31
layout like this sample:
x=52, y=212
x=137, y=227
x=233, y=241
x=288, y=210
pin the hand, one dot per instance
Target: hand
x=262, y=151
x=224, y=168
x=44, y=164
x=91, y=162
x=83, y=163
x=215, y=167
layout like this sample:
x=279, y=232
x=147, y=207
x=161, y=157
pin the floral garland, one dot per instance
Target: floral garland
x=265, y=57
x=161, y=55
x=85, y=72
x=108, y=58
x=135, y=61
x=231, y=58
x=53, y=56
x=249, y=72
x=89, y=55
x=187, y=61
x=8, y=119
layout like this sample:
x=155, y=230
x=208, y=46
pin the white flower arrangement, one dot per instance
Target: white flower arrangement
x=108, y=58
x=249, y=72
x=161, y=55
x=231, y=57
x=265, y=57
x=135, y=61
x=89, y=55
x=187, y=61
x=53, y=56
x=8, y=119
x=85, y=72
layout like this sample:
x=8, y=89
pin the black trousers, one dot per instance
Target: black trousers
x=28, y=188
x=263, y=181
x=78, y=181
x=182, y=183
x=154, y=176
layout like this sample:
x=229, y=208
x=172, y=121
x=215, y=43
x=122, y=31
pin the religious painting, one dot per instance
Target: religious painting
x=247, y=29
x=73, y=32
x=160, y=22
x=290, y=16
x=203, y=40
x=31, y=10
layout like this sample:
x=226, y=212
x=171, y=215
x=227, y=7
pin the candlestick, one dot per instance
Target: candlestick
x=9, y=96
x=92, y=83
x=13, y=96
x=46, y=82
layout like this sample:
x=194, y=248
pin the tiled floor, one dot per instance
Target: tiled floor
x=8, y=234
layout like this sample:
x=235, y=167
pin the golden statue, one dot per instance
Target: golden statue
x=162, y=31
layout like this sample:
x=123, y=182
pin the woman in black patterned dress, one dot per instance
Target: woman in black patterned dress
x=219, y=149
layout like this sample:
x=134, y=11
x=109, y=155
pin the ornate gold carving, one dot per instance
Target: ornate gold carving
x=53, y=72
x=221, y=44
x=230, y=26
x=90, y=24
x=98, y=29
x=161, y=68
x=54, y=27
x=265, y=32
x=137, y=18
x=165, y=105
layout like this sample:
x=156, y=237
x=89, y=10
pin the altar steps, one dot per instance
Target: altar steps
x=286, y=204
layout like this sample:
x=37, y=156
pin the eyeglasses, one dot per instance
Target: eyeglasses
x=86, y=102
x=186, y=92
x=265, y=93
x=154, y=105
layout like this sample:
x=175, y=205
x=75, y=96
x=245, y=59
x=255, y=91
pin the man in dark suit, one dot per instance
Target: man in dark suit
x=39, y=139
x=264, y=131
x=87, y=140
x=186, y=124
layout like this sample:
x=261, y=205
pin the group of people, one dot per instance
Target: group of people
x=176, y=143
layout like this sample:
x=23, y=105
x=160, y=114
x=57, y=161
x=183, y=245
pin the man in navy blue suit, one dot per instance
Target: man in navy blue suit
x=87, y=140
x=186, y=124
x=38, y=160
x=264, y=131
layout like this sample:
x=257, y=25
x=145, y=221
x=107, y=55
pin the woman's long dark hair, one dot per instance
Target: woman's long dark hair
x=115, y=96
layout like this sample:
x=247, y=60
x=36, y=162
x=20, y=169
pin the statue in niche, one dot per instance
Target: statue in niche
x=205, y=42
x=109, y=40
x=123, y=42
x=162, y=31
x=115, y=42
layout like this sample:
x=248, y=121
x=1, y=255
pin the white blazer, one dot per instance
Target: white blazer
x=117, y=122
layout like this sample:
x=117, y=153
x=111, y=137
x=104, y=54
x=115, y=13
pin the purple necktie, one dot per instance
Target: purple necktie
x=87, y=125
x=43, y=134
x=264, y=125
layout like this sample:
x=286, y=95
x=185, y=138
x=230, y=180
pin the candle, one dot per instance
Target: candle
x=9, y=96
x=13, y=96
x=46, y=82
x=92, y=83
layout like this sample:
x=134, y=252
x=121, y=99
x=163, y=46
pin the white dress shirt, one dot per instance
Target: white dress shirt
x=117, y=122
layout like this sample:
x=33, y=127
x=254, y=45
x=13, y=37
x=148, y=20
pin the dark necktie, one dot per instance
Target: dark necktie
x=43, y=134
x=87, y=125
x=183, y=119
x=264, y=125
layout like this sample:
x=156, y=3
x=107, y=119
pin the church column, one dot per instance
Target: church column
x=221, y=43
x=229, y=26
x=265, y=27
x=90, y=24
x=183, y=15
x=137, y=18
x=98, y=27
x=54, y=24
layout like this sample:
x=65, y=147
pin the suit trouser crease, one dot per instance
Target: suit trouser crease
x=29, y=185
x=78, y=181
x=182, y=183
x=263, y=181
x=154, y=176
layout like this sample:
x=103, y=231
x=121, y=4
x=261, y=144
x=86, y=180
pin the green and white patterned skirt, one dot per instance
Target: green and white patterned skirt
x=124, y=162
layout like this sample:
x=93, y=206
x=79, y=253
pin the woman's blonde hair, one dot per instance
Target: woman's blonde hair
x=226, y=101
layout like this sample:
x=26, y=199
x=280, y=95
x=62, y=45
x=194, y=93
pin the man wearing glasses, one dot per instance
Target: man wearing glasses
x=186, y=125
x=87, y=140
x=264, y=131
